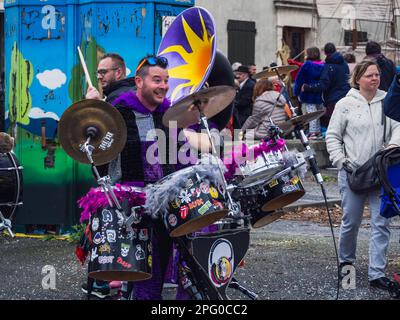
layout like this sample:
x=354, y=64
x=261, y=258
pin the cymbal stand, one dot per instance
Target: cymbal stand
x=233, y=207
x=105, y=184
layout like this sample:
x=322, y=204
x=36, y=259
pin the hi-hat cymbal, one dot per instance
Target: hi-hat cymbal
x=97, y=119
x=274, y=71
x=211, y=101
x=292, y=123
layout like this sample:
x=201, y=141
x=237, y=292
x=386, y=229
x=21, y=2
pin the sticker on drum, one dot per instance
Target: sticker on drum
x=284, y=191
x=117, y=254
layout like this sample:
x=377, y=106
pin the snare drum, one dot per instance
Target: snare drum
x=263, y=165
x=117, y=254
x=11, y=184
x=192, y=202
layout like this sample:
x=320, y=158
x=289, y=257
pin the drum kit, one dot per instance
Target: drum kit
x=207, y=215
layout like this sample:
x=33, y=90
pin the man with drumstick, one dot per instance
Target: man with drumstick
x=111, y=74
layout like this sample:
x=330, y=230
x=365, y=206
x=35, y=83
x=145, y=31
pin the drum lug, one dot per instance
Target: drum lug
x=6, y=224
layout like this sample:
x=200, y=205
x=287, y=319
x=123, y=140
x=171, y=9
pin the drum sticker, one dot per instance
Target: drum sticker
x=107, y=216
x=125, y=249
x=150, y=261
x=105, y=248
x=95, y=224
x=294, y=180
x=172, y=220
x=214, y=193
x=189, y=183
x=123, y=263
x=205, y=208
x=143, y=235
x=98, y=238
x=185, y=197
x=149, y=247
x=121, y=219
x=140, y=254
x=176, y=204
x=285, y=179
x=106, y=259
x=184, y=211
x=221, y=189
x=273, y=183
x=221, y=262
x=205, y=188
x=111, y=236
x=289, y=188
x=94, y=254
x=195, y=192
x=217, y=204
x=195, y=204
x=131, y=235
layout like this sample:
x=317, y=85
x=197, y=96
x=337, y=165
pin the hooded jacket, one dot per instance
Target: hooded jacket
x=263, y=109
x=388, y=70
x=355, y=132
x=116, y=88
x=310, y=73
x=334, y=81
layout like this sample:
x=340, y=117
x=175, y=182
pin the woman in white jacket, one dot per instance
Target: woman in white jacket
x=354, y=135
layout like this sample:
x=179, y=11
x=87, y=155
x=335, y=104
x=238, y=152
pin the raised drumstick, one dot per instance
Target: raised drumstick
x=85, y=70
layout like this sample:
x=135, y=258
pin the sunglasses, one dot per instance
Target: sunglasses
x=153, y=61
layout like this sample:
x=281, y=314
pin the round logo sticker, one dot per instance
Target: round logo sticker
x=213, y=193
x=172, y=220
x=95, y=224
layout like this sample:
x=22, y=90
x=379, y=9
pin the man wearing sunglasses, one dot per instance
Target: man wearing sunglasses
x=111, y=75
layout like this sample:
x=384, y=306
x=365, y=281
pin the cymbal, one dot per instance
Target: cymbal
x=211, y=102
x=97, y=119
x=272, y=71
x=292, y=123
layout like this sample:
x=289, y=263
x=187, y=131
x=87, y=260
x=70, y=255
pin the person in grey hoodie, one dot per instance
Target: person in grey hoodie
x=268, y=104
x=354, y=135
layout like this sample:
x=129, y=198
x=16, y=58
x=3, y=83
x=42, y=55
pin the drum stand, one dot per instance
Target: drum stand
x=6, y=224
x=105, y=184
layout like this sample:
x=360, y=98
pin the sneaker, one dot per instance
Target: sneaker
x=98, y=291
x=382, y=283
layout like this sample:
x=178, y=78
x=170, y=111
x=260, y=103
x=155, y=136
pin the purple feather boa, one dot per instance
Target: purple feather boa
x=242, y=153
x=96, y=199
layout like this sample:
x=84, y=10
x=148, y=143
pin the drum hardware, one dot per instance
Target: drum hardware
x=6, y=224
x=234, y=284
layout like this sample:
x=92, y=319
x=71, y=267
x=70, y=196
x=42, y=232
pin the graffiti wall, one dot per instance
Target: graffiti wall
x=44, y=77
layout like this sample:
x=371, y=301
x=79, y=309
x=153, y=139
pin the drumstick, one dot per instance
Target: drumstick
x=85, y=70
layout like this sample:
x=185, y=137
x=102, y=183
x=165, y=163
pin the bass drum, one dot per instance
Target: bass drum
x=11, y=184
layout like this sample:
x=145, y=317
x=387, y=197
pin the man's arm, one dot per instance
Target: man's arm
x=392, y=100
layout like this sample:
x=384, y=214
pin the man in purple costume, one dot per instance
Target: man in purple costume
x=143, y=112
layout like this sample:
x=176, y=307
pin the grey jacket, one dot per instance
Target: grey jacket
x=355, y=131
x=263, y=109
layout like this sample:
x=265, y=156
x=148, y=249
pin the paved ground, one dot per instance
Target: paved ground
x=286, y=260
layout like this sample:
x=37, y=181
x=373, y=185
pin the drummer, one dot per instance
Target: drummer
x=143, y=111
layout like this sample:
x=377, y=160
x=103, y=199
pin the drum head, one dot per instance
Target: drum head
x=262, y=219
x=283, y=200
x=259, y=176
x=198, y=223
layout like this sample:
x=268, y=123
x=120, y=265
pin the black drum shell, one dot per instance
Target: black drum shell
x=11, y=183
x=204, y=204
x=116, y=254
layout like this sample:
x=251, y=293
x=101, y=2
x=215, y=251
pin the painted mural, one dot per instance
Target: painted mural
x=44, y=77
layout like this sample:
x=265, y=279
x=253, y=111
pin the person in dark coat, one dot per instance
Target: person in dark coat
x=334, y=81
x=373, y=51
x=111, y=74
x=310, y=73
x=244, y=97
x=392, y=100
